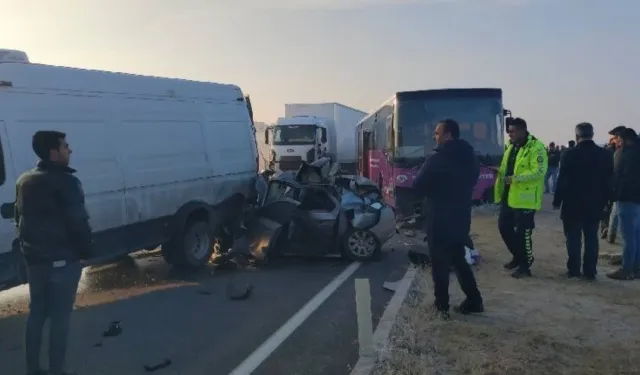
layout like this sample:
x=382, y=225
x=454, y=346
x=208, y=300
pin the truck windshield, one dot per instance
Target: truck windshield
x=480, y=122
x=294, y=135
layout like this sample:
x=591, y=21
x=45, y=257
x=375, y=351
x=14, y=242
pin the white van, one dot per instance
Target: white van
x=162, y=161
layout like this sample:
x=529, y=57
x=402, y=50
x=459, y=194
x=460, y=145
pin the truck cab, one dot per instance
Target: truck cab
x=297, y=139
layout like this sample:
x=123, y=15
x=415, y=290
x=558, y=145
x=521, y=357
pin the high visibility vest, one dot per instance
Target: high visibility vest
x=527, y=183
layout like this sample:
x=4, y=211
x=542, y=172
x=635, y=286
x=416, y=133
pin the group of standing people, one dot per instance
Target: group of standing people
x=589, y=179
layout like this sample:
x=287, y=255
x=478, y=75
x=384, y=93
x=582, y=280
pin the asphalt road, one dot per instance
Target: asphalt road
x=188, y=319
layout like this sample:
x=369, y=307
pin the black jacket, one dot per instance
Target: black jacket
x=627, y=175
x=52, y=221
x=446, y=180
x=554, y=158
x=584, y=182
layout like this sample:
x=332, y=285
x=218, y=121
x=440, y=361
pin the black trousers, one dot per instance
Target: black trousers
x=575, y=230
x=442, y=259
x=516, y=228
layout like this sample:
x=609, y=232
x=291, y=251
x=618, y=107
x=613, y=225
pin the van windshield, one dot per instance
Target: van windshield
x=294, y=135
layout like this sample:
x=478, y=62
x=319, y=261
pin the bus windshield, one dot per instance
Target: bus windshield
x=480, y=122
x=294, y=135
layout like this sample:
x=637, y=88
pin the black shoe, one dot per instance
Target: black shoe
x=468, y=307
x=589, y=277
x=511, y=265
x=443, y=315
x=572, y=275
x=620, y=274
x=521, y=274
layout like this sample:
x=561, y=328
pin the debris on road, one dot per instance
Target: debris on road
x=115, y=329
x=164, y=364
x=391, y=286
x=239, y=289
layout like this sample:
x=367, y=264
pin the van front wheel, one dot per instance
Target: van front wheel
x=191, y=249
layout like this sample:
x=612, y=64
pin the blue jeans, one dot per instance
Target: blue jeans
x=53, y=293
x=553, y=173
x=613, y=222
x=574, y=231
x=629, y=216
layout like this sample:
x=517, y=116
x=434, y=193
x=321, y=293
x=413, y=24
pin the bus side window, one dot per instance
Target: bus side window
x=390, y=133
x=3, y=174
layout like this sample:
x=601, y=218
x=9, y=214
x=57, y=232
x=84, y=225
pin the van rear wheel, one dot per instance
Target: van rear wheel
x=193, y=248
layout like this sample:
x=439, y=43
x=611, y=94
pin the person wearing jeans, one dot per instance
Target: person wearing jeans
x=54, y=236
x=612, y=228
x=552, y=170
x=627, y=194
x=584, y=189
x=629, y=214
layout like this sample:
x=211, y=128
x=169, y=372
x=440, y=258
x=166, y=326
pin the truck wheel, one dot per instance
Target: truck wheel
x=191, y=249
x=360, y=245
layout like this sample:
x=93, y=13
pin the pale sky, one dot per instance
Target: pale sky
x=559, y=62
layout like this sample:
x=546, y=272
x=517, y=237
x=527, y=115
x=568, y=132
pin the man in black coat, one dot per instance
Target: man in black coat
x=447, y=179
x=584, y=189
x=54, y=235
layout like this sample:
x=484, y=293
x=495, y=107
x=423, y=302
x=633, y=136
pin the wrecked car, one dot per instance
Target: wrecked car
x=315, y=211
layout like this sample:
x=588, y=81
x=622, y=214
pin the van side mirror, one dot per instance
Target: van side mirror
x=266, y=136
x=323, y=136
x=7, y=210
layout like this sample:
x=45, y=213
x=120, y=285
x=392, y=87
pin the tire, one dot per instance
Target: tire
x=360, y=245
x=193, y=248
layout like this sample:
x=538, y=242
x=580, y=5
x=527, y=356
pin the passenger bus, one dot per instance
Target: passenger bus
x=395, y=139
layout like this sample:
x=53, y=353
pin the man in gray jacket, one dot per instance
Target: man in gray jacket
x=54, y=236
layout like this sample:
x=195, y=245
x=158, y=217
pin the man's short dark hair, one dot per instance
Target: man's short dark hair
x=628, y=134
x=44, y=141
x=584, y=130
x=519, y=123
x=617, y=130
x=451, y=126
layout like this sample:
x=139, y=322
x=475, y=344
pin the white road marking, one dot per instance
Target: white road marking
x=365, y=320
x=365, y=364
x=277, y=338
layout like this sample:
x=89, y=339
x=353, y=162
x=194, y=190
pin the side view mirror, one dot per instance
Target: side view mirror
x=323, y=137
x=266, y=136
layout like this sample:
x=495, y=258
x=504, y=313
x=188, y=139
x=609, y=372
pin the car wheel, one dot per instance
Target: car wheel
x=193, y=248
x=360, y=245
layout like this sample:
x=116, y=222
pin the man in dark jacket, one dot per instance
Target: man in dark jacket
x=627, y=196
x=584, y=188
x=447, y=179
x=616, y=140
x=54, y=234
x=552, y=171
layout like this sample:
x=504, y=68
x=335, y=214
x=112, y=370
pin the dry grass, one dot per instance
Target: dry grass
x=545, y=325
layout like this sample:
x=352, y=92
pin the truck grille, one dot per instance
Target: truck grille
x=290, y=163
